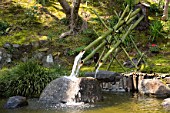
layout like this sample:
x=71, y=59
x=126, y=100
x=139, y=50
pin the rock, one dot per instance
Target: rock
x=71, y=90
x=7, y=46
x=167, y=79
x=15, y=45
x=129, y=64
x=16, y=102
x=66, y=51
x=105, y=76
x=0, y=53
x=8, y=60
x=154, y=87
x=49, y=59
x=24, y=59
x=35, y=44
x=39, y=55
x=166, y=104
x=4, y=57
x=0, y=58
x=25, y=48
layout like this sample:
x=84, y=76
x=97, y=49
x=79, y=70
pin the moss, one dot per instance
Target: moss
x=25, y=29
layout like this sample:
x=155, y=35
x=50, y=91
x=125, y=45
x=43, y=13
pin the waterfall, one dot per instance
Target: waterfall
x=76, y=65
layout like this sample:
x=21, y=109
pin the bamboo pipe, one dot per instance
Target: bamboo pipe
x=114, y=57
x=131, y=17
x=127, y=18
x=123, y=14
x=120, y=19
x=98, y=39
x=117, y=44
x=111, y=30
x=122, y=39
x=139, y=52
x=100, y=19
x=100, y=57
x=114, y=54
x=129, y=57
x=135, y=12
x=137, y=22
x=94, y=51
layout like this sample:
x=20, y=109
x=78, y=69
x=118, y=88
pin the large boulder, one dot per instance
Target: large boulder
x=105, y=76
x=70, y=90
x=153, y=86
x=16, y=102
x=166, y=104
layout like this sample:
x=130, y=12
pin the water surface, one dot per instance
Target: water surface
x=113, y=103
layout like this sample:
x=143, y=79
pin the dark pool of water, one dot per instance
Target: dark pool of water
x=113, y=103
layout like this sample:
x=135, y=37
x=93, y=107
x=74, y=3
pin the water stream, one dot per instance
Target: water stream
x=97, y=70
x=77, y=64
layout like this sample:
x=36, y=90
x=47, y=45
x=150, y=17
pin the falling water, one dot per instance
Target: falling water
x=76, y=65
x=97, y=69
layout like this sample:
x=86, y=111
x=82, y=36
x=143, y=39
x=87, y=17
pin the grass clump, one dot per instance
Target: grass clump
x=27, y=79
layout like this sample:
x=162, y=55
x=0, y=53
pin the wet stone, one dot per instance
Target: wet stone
x=105, y=76
x=71, y=90
x=16, y=102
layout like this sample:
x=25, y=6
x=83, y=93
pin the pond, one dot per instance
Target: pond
x=113, y=103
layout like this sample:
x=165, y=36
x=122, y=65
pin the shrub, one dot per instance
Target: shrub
x=27, y=79
x=156, y=29
x=4, y=27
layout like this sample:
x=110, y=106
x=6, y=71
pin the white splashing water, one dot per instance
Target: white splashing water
x=76, y=65
x=97, y=70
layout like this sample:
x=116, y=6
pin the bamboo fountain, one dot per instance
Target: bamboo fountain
x=76, y=89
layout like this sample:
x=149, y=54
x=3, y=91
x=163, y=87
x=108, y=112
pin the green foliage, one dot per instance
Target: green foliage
x=156, y=69
x=156, y=29
x=90, y=33
x=130, y=2
x=65, y=21
x=32, y=15
x=154, y=48
x=44, y=2
x=112, y=21
x=154, y=8
x=4, y=27
x=32, y=12
x=27, y=79
x=77, y=50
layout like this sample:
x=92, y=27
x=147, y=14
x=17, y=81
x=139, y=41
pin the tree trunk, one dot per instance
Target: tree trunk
x=165, y=12
x=66, y=7
x=74, y=17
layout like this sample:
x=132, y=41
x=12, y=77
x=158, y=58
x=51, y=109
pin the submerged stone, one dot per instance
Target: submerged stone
x=68, y=90
x=16, y=102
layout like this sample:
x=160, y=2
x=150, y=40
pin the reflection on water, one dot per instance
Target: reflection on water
x=113, y=103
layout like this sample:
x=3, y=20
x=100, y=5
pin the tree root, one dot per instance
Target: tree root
x=65, y=34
